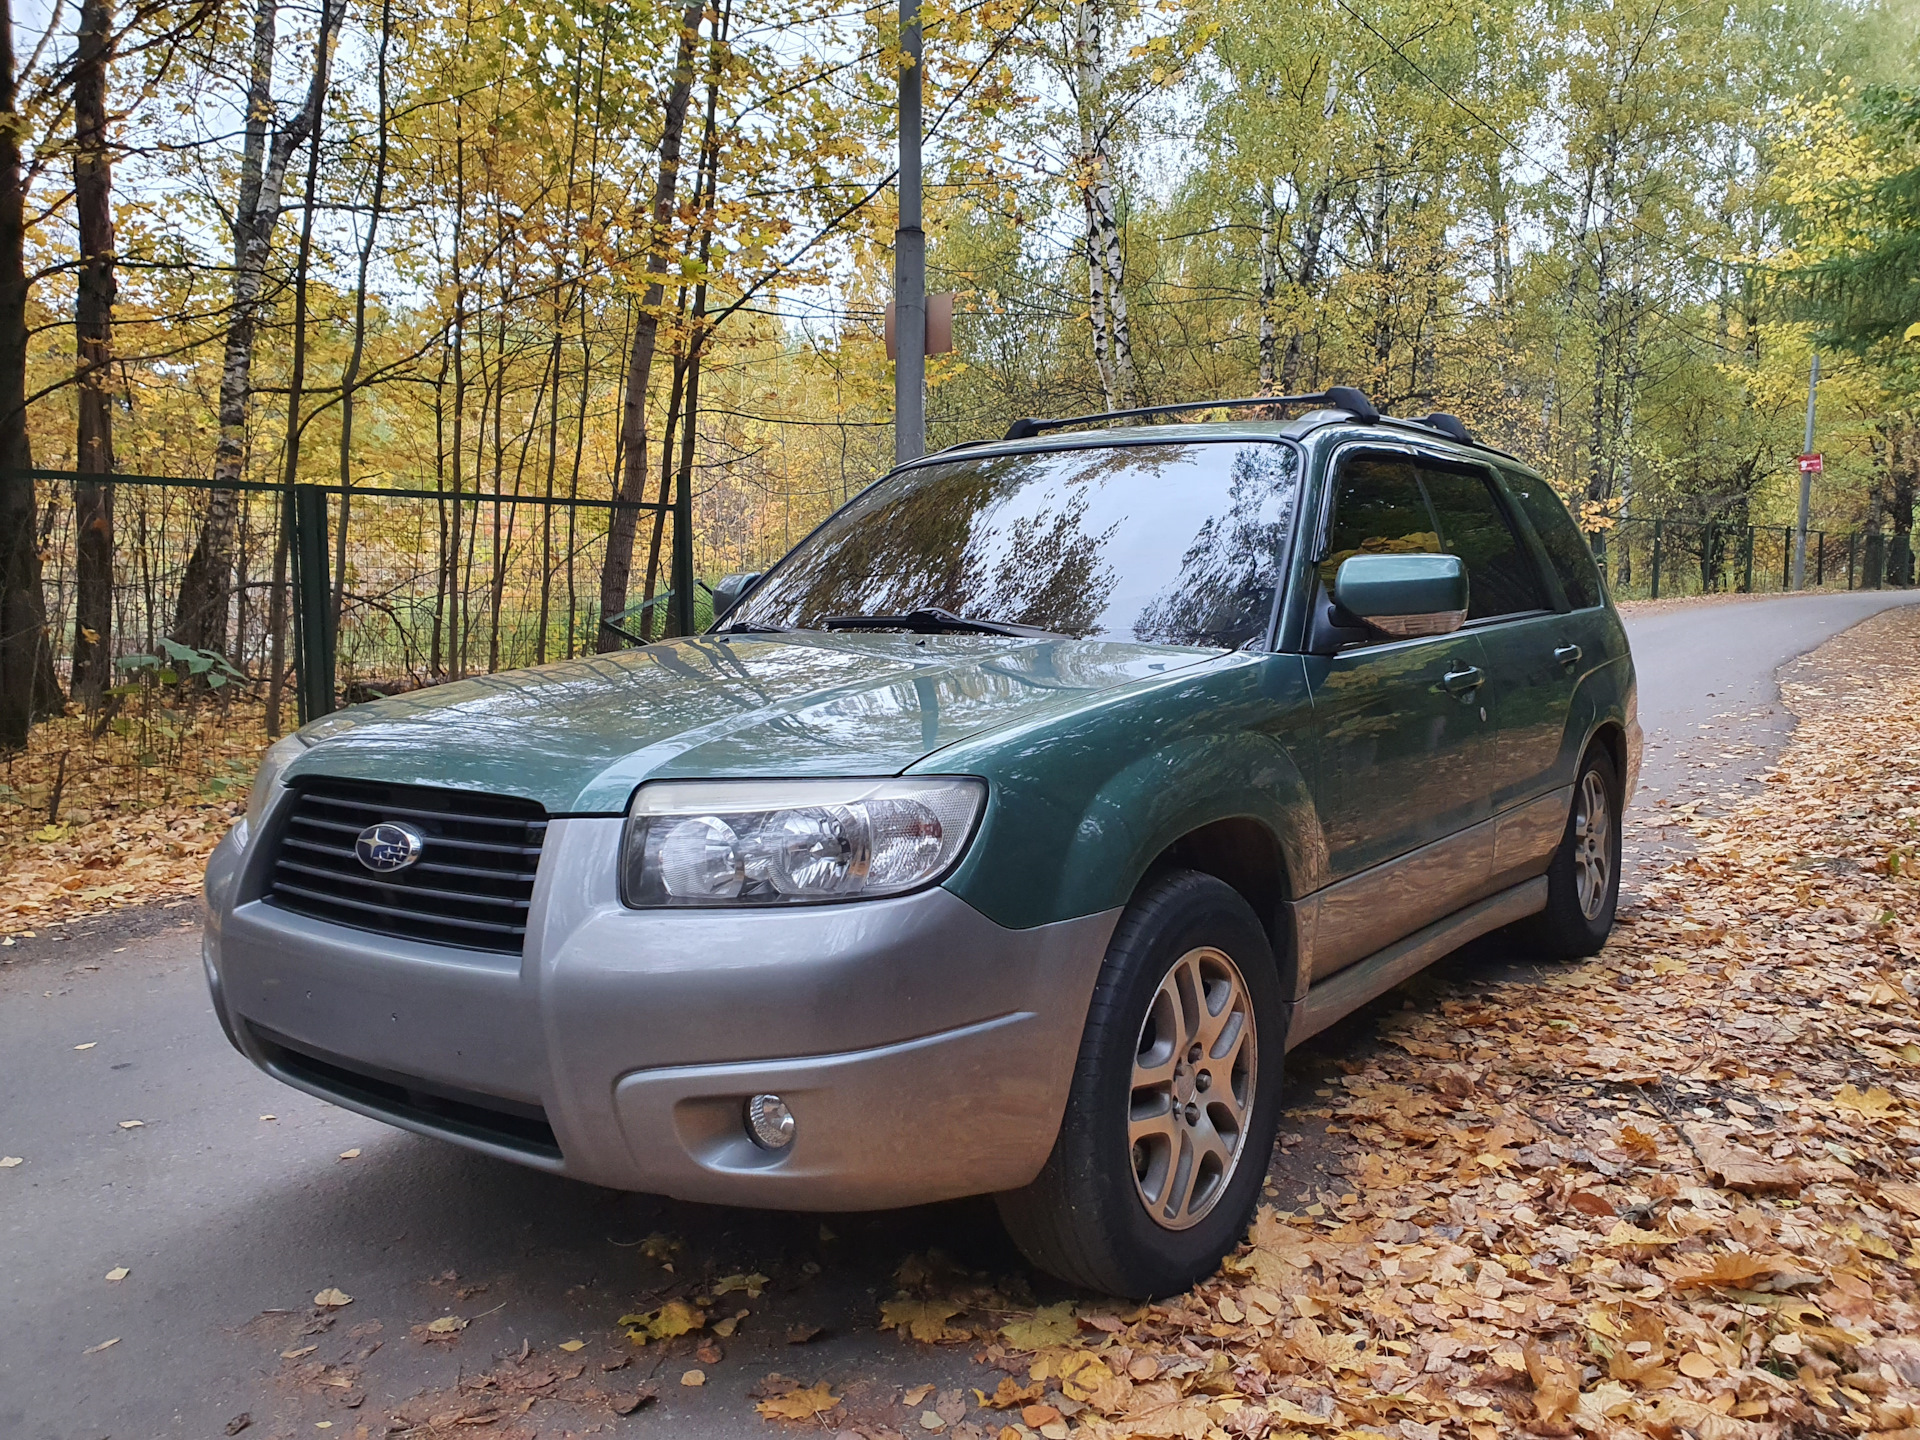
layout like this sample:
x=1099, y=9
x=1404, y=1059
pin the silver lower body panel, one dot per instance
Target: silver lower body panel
x=926, y=1051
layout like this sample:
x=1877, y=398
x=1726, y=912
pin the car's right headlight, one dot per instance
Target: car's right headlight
x=266, y=781
x=709, y=843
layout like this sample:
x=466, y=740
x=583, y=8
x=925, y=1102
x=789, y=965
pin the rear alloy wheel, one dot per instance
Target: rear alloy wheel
x=1175, y=1099
x=1593, y=867
x=1583, y=880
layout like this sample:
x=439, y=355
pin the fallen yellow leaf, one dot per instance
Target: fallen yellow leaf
x=1049, y=1325
x=694, y=1377
x=676, y=1317
x=1874, y=1104
x=572, y=1345
x=924, y=1320
x=799, y=1404
x=119, y=1272
x=331, y=1299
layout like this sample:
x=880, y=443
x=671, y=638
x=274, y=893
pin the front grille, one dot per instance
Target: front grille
x=471, y=887
x=403, y=1097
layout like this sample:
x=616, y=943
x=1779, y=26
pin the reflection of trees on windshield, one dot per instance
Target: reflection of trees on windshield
x=943, y=539
x=1224, y=591
x=1079, y=541
x=1046, y=571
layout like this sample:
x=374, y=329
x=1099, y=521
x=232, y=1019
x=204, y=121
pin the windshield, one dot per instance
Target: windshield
x=1176, y=544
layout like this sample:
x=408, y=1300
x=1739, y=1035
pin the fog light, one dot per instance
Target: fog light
x=769, y=1122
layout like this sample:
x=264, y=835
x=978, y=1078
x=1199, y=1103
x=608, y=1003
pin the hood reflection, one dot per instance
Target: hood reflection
x=580, y=735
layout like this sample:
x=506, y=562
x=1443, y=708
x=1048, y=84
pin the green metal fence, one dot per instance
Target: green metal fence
x=437, y=584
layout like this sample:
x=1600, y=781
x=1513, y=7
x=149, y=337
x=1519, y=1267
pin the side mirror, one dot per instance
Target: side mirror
x=730, y=590
x=1404, y=595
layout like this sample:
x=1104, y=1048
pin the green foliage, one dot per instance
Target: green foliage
x=1866, y=295
x=178, y=664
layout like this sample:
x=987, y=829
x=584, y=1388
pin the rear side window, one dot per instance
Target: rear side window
x=1566, y=547
x=1501, y=579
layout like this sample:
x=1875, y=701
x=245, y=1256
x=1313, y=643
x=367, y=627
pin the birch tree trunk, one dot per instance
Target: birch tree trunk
x=93, y=326
x=1106, y=267
x=26, y=657
x=206, y=587
x=1269, y=288
x=350, y=376
x=617, y=569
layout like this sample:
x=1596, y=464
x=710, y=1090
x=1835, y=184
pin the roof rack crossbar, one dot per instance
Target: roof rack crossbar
x=1339, y=396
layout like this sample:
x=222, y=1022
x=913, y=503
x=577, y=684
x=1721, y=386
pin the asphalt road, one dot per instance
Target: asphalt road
x=234, y=1200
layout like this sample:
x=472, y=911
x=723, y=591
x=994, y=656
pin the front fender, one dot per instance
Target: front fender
x=1081, y=806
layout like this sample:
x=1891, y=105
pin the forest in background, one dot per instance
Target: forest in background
x=565, y=249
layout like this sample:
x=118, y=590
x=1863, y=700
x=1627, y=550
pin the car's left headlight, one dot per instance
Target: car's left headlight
x=792, y=842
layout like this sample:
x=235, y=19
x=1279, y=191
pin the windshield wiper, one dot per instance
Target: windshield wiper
x=931, y=621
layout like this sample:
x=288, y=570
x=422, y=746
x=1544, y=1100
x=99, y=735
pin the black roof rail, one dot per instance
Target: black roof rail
x=1341, y=397
x=1449, y=425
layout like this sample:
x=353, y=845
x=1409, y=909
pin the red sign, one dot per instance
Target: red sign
x=1811, y=464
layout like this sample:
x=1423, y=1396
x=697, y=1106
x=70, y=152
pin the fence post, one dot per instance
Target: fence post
x=1850, y=538
x=1820, y=561
x=1656, y=559
x=1786, y=558
x=312, y=604
x=1746, y=577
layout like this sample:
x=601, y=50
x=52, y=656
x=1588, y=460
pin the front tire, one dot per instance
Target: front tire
x=1583, y=882
x=1175, y=1099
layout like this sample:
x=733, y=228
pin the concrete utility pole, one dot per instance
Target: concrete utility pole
x=910, y=261
x=1806, y=483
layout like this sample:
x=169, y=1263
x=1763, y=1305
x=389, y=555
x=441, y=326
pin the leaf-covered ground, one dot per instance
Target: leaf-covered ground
x=140, y=802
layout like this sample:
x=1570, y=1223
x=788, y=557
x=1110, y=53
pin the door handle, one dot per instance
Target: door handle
x=1567, y=654
x=1463, y=681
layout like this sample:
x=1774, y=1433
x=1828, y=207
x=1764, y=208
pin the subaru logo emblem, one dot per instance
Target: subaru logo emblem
x=387, y=847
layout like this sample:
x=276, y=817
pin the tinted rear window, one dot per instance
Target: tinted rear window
x=1176, y=544
x=1566, y=547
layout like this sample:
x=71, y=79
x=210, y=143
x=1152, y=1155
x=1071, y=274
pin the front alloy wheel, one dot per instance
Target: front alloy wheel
x=1175, y=1099
x=1193, y=1083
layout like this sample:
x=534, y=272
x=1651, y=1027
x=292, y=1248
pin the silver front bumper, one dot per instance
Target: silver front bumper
x=926, y=1051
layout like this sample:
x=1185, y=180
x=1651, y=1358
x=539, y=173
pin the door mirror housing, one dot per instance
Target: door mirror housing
x=730, y=590
x=1404, y=595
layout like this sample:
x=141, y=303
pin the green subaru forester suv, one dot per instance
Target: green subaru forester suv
x=1001, y=839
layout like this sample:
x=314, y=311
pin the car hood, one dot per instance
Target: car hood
x=580, y=735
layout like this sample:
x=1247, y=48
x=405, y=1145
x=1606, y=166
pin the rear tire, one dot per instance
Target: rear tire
x=1170, y=1122
x=1583, y=882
